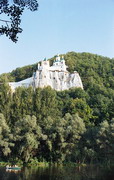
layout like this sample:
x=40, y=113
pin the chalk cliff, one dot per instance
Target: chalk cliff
x=55, y=76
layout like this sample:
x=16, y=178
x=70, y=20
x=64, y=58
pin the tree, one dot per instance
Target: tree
x=75, y=128
x=88, y=148
x=65, y=136
x=5, y=100
x=80, y=106
x=105, y=140
x=45, y=103
x=26, y=137
x=13, y=11
x=5, y=137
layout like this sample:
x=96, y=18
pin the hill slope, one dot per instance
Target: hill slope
x=91, y=67
x=71, y=125
x=97, y=74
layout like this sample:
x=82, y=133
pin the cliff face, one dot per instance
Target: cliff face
x=58, y=80
x=55, y=76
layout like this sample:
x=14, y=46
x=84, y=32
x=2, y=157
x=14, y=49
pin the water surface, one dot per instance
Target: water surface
x=58, y=173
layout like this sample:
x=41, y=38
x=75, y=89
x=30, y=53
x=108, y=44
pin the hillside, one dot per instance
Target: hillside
x=97, y=74
x=60, y=126
x=91, y=67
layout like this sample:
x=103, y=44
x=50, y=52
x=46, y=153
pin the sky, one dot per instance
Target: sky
x=60, y=26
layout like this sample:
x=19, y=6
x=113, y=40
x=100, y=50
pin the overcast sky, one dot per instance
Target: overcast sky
x=61, y=26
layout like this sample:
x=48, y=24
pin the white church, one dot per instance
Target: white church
x=55, y=76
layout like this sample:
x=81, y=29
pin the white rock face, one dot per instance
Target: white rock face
x=55, y=76
x=24, y=83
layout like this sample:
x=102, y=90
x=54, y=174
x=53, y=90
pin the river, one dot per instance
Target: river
x=58, y=173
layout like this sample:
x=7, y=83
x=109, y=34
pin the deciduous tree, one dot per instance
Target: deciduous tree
x=14, y=10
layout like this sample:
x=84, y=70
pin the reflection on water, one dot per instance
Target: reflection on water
x=13, y=170
x=58, y=173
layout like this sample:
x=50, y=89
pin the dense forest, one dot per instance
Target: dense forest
x=75, y=125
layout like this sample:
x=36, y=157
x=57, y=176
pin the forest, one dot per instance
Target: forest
x=75, y=125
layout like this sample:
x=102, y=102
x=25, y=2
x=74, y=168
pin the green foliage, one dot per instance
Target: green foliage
x=26, y=136
x=14, y=9
x=5, y=137
x=45, y=104
x=5, y=100
x=105, y=140
x=23, y=73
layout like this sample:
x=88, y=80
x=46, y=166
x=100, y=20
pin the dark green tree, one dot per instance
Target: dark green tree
x=14, y=10
x=105, y=140
x=6, y=138
x=45, y=103
x=27, y=134
x=5, y=100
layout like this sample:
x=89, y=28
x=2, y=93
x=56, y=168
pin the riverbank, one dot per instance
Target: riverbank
x=46, y=164
x=64, y=172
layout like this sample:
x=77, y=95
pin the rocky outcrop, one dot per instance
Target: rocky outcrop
x=55, y=76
